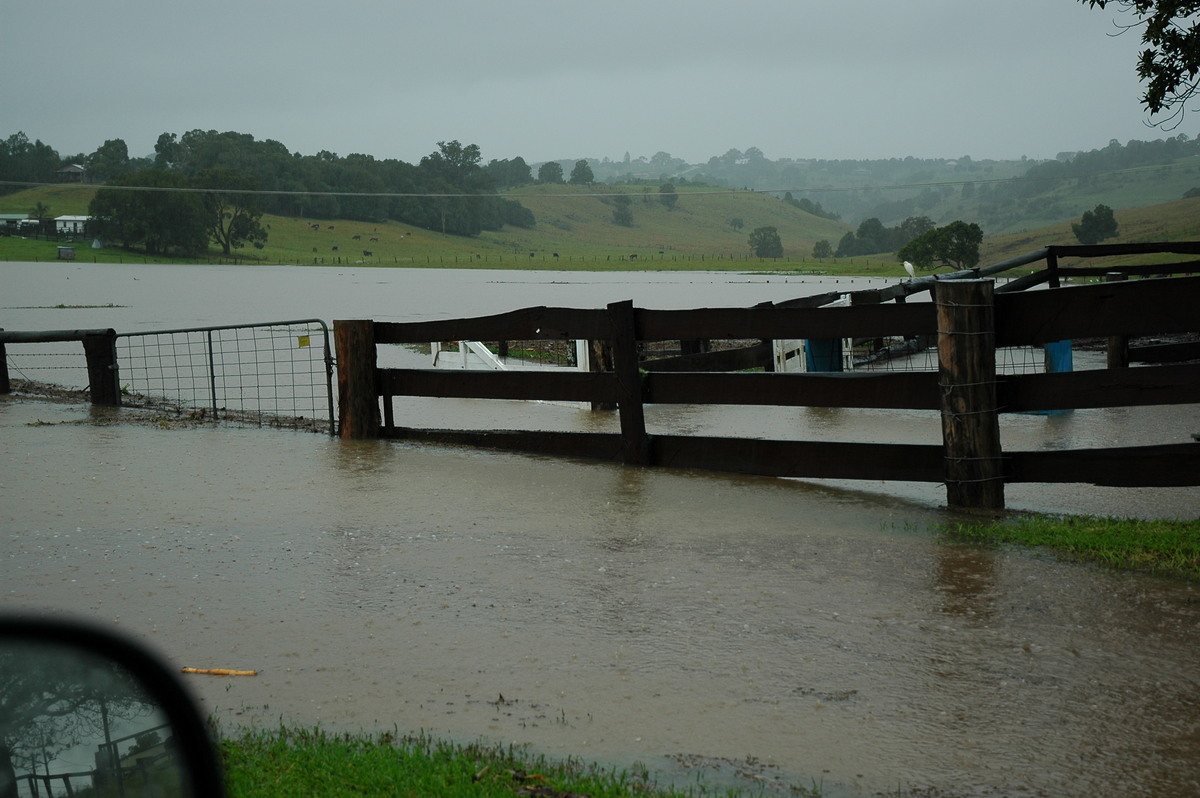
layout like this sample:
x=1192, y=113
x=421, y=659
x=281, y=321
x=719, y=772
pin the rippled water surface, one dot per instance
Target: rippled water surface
x=825, y=631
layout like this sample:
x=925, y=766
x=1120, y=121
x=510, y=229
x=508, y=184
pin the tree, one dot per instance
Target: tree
x=156, y=220
x=24, y=161
x=234, y=216
x=960, y=244
x=111, y=159
x=1170, y=65
x=453, y=161
x=765, y=243
x=667, y=196
x=914, y=226
x=41, y=214
x=872, y=237
x=582, y=175
x=550, y=172
x=822, y=249
x=167, y=151
x=847, y=246
x=955, y=245
x=509, y=174
x=622, y=210
x=1095, y=225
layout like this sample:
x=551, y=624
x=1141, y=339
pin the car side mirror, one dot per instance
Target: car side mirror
x=84, y=707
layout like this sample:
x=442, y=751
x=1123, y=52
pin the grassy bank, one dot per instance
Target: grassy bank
x=1170, y=548
x=302, y=762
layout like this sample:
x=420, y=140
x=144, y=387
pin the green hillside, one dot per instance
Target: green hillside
x=580, y=220
x=1170, y=221
x=577, y=223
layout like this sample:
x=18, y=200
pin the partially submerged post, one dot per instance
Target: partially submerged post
x=5, y=385
x=967, y=382
x=104, y=384
x=99, y=347
x=358, y=395
x=629, y=383
x=1118, y=345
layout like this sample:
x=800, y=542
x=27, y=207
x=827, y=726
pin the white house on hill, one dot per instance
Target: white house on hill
x=66, y=225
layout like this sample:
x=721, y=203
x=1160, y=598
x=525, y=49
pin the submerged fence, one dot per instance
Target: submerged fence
x=271, y=369
x=967, y=321
x=277, y=372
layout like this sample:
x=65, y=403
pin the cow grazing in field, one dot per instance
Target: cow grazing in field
x=335, y=249
x=373, y=238
x=367, y=253
x=555, y=255
x=314, y=249
x=356, y=236
x=633, y=256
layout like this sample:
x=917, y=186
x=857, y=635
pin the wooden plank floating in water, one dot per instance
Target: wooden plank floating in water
x=218, y=672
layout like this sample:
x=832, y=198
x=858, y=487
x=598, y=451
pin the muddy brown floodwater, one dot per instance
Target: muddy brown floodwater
x=760, y=631
x=825, y=635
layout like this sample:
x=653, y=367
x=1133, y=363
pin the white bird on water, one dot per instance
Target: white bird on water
x=908, y=267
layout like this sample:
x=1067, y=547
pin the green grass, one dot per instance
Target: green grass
x=576, y=222
x=1170, y=548
x=573, y=222
x=305, y=762
x=1169, y=221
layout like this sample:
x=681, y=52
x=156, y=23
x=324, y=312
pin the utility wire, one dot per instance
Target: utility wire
x=434, y=195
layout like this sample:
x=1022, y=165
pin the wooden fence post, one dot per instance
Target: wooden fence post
x=1052, y=268
x=629, y=383
x=358, y=391
x=966, y=315
x=1118, y=345
x=5, y=385
x=103, y=380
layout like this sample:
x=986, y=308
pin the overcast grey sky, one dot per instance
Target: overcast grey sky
x=561, y=79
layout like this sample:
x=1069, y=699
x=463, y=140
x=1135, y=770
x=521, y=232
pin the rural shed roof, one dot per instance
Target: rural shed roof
x=11, y=217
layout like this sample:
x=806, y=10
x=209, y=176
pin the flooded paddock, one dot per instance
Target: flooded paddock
x=813, y=633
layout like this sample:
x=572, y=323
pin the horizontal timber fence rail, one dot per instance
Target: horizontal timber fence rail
x=967, y=320
x=278, y=373
x=99, y=348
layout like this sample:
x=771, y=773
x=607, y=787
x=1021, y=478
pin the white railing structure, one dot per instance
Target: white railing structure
x=476, y=355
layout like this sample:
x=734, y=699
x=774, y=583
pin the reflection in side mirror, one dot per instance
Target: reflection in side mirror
x=84, y=712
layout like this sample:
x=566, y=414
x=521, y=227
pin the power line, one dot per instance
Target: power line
x=706, y=192
x=437, y=195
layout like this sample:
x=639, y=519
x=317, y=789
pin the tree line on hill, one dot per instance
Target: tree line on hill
x=449, y=191
x=453, y=191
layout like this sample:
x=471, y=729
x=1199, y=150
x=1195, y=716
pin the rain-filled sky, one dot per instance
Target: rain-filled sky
x=567, y=79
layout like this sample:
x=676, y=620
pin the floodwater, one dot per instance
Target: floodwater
x=794, y=632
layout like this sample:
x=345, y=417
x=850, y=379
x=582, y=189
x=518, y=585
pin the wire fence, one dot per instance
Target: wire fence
x=269, y=371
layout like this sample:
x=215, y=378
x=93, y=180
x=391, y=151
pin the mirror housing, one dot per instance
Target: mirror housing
x=81, y=702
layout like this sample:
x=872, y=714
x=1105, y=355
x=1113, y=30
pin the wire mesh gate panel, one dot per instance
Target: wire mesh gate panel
x=273, y=370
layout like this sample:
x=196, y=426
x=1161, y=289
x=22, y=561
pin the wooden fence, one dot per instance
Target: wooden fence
x=967, y=319
x=100, y=350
